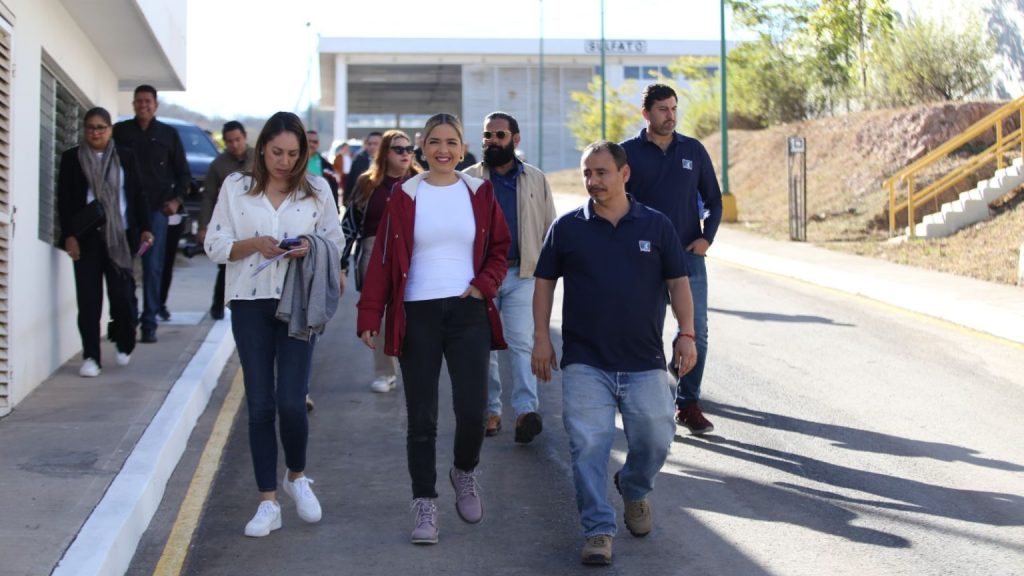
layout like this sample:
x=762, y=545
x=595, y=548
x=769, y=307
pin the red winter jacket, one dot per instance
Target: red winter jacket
x=384, y=286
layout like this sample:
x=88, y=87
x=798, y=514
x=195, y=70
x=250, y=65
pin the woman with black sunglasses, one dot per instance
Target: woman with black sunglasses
x=393, y=164
x=98, y=173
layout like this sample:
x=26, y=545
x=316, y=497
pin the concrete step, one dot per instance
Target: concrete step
x=971, y=206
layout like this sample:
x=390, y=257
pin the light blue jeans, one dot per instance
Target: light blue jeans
x=515, y=301
x=590, y=397
x=689, y=385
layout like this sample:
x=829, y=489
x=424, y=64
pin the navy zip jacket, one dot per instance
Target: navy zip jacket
x=670, y=181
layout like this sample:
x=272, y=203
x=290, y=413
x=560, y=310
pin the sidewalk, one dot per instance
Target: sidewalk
x=994, y=309
x=85, y=461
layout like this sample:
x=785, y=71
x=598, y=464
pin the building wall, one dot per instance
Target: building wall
x=43, y=329
x=42, y=326
x=516, y=90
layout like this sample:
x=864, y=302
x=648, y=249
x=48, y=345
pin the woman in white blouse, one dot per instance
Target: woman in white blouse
x=254, y=213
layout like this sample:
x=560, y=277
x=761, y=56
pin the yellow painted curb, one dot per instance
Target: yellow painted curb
x=176, y=549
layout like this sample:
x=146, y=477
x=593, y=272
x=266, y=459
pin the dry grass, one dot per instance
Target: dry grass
x=848, y=158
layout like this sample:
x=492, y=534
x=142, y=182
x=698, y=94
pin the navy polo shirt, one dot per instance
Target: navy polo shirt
x=505, y=186
x=614, y=285
x=670, y=181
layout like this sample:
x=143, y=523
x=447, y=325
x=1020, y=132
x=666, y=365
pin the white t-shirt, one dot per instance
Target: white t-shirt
x=442, y=249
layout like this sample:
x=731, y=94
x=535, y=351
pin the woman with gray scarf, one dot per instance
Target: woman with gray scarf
x=97, y=170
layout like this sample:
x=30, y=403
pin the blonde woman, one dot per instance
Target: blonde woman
x=434, y=275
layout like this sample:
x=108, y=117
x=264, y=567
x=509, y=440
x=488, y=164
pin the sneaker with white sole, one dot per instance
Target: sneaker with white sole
x=425, y=530
x=266, y=520
x=123, y=359
x=305, y=501
x=90, y=369
x=383, y=384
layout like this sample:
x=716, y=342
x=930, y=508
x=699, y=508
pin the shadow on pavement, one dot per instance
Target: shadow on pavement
x=860, y=440
x=773, y=317
x=901, y=494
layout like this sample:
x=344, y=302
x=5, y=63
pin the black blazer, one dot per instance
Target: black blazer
x=72, y=189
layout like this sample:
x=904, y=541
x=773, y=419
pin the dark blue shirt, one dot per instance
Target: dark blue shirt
x=614, y=285
x=670, y=181
x=505, y=189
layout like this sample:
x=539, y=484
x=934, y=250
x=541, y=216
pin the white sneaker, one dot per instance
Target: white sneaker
x=89, y=369
x=123, y=359
x=266, y=520
x=383, y=384
x=305, y=501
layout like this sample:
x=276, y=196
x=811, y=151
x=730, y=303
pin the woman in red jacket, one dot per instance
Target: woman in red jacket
x=439, y=258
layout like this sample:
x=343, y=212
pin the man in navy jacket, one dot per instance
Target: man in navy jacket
x=673, y=174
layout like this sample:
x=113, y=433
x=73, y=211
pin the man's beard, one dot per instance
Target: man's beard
x=498, y=155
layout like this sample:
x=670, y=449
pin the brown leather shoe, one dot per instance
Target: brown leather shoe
x=493, y=425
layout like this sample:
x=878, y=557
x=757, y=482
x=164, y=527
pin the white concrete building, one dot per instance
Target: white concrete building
x=57, y=59
x=382, y=83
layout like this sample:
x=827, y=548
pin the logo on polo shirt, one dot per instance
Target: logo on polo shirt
x=645, y=245
x=687, y=164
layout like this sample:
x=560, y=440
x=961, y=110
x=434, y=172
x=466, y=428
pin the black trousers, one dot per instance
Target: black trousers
x=91, y=269
x=458, y=331
x=170, y=253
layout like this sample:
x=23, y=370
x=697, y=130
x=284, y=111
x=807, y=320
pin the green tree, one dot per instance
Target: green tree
x=621, y=116
x=925, y=61
x=840, y=34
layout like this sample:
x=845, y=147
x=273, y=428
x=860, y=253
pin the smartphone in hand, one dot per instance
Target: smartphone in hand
x=289, y=243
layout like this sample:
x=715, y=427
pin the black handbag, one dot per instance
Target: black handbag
x=88, y=219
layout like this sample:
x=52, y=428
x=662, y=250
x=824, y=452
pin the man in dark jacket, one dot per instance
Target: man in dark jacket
x=166, y=178
x=361, y=163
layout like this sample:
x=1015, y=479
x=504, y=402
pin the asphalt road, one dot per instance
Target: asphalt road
x=852, y=438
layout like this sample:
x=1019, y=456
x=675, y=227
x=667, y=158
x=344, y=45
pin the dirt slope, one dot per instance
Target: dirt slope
x=848, y=158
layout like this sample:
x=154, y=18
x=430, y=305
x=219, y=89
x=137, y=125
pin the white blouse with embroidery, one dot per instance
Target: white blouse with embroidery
x=239, y=215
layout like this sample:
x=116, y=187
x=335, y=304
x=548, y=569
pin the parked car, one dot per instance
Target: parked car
x=200, y=150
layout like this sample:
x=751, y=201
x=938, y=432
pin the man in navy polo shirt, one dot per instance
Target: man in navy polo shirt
x=673, y=174
x=618, y=258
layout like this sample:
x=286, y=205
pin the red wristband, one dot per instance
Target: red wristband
x=690, y=336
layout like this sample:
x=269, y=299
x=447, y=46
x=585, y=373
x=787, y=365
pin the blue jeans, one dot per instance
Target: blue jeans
x=276, y=369
x=590, y=397
x=689, y=385
x=153, y=269
x=515, y=301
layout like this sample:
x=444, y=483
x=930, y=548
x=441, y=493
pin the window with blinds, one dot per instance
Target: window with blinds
x=5, y=215
x=60, y=117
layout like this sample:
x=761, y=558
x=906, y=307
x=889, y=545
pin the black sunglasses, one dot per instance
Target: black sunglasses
x=402, y=150
x=499, y=134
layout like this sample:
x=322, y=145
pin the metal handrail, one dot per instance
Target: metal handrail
x=994, y=153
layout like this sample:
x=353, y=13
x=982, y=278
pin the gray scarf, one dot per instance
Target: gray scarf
x=104, y=177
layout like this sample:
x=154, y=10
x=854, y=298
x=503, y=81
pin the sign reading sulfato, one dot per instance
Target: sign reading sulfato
x=616, y=46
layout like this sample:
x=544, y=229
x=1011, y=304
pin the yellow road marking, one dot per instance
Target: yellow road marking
x=939, y=322
x=176, y=549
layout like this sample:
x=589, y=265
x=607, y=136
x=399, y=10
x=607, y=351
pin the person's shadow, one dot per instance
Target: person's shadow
x=860, y=440
x=774, y=317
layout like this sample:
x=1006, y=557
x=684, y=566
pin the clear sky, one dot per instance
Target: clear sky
x=253, y=57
